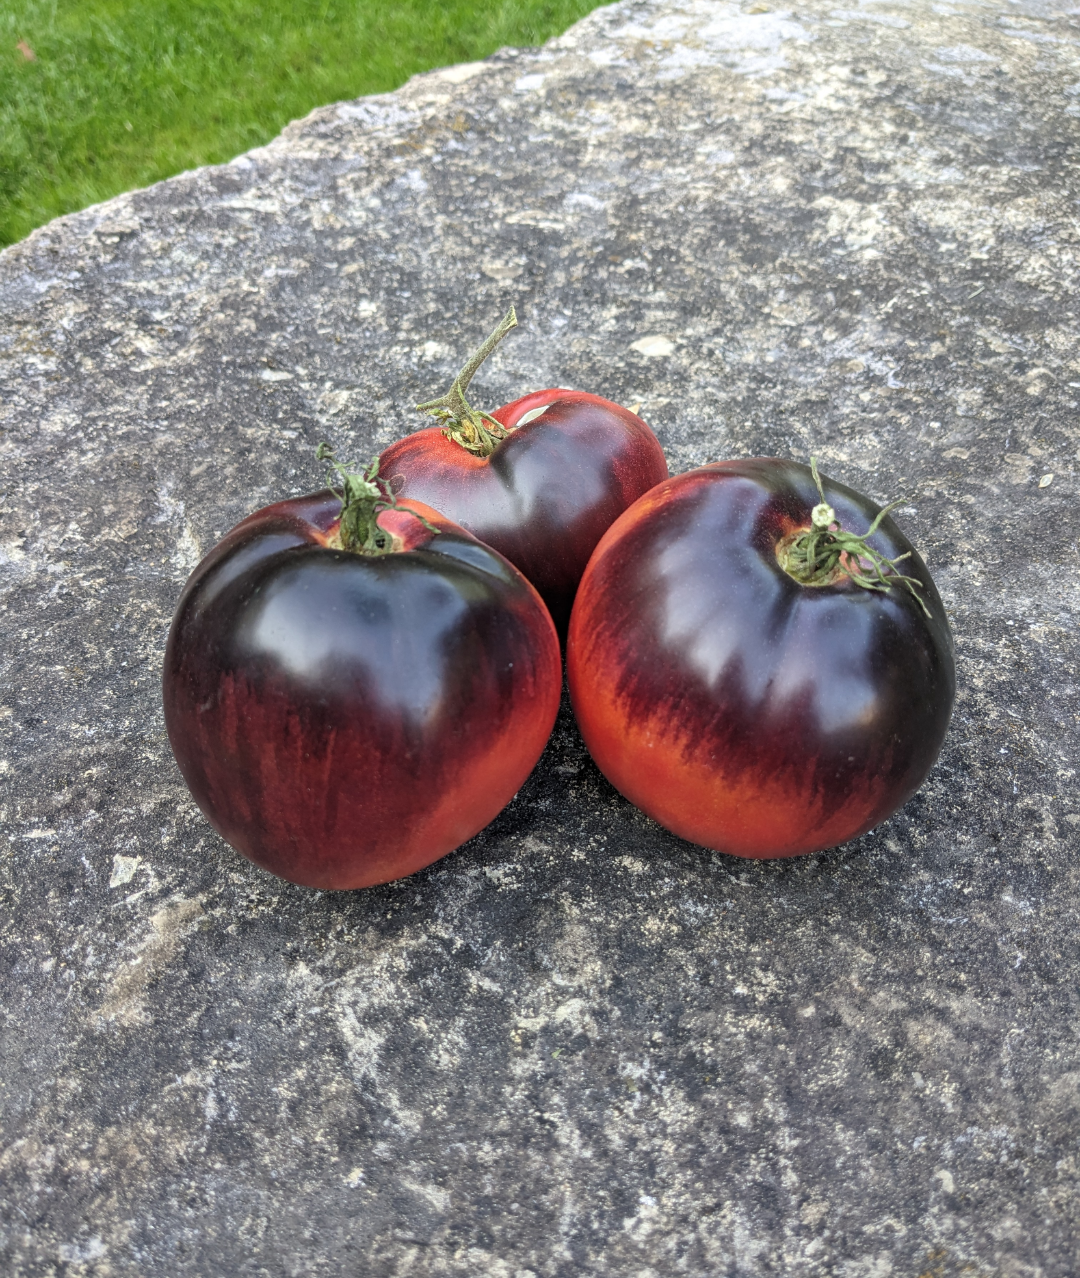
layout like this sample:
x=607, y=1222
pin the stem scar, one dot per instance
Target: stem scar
x=824, y=553
x=476, y=431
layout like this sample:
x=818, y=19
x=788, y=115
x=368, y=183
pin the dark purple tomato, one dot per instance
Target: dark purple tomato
x=740, y=708
x=547, y=492
x=345, y=719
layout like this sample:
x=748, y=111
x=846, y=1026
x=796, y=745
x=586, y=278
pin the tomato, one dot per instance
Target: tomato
x=737, y=705
x=344, y=717
x=540, y=479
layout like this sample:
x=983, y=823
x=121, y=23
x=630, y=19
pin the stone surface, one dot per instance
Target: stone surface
x=578, y=1046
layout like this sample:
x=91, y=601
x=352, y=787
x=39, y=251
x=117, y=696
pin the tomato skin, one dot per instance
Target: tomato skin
x=345, y=720
x=548, y=492
x=740, y=709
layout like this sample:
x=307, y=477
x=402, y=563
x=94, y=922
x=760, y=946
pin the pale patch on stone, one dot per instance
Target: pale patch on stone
x=413, y=180
x=810, y=1213
x=533, y=217
x=963, y=53
x=656, y=346
x=645, y=1219
x=438, y=1198
x=332, y=402
x=575, y=1013
x=377, y=112
x=59, y=423
x=701, y=34
x=859, y=224
x=532, y=845
x=12, y=551
x=879, y=1266
x=117, y=226
x=863, y=15
x=251, y=204
x=720, y=157
x=81, y=1253
x=583, y=200
x=188, y=552
x=502, y=875
x=123, y=870
x=501, y=271
x=363, y=999
x=1018, y=467
x=123, y=1001
x=461, y=72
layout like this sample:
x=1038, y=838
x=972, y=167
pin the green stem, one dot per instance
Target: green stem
x=363, y=496
x=476, y=431
x=824, y=552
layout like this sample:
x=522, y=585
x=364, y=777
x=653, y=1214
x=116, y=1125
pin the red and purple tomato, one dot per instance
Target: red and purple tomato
x=740, y=708
x=570, y=465
x=344, y=719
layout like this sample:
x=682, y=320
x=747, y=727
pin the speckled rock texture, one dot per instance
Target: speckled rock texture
x=578, y=1046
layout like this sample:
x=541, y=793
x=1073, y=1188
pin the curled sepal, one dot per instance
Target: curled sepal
x=476, y=431
x=820, y=554
x=364, y=496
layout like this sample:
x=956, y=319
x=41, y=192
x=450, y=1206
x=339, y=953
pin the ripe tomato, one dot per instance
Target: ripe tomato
x=740, y=708
x=343, y=717
x=540, y=479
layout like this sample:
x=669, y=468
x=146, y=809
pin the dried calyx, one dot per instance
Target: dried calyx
x=363, y=496
x=476, y=431
x=823, y=553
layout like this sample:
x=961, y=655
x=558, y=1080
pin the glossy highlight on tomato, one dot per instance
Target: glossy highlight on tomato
x=345, y=719
x=571, y=464
x=739, y=708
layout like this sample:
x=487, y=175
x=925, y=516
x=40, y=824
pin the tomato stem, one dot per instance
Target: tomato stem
x=476, y=431
x=363, y=496
x=823, y=553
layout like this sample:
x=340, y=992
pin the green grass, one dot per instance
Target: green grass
x=122, y=93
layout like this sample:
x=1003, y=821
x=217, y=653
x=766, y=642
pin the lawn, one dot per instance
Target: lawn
x=99, y=96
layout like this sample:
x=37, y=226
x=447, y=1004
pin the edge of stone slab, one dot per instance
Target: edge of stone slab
x=115, y=215
x=379, y=111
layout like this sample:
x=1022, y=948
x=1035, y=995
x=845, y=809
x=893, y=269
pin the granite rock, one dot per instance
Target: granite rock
x=578, y=1046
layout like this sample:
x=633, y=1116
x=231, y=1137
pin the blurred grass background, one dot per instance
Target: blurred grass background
x=99, y=96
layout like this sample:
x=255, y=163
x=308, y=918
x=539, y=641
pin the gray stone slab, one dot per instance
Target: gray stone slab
x=578, y=1046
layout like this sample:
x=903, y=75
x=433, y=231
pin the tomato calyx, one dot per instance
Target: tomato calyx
x=476, y=431
x=364, y=496
x=824, y=553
